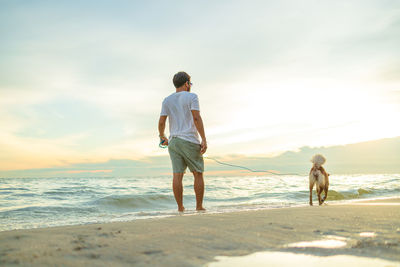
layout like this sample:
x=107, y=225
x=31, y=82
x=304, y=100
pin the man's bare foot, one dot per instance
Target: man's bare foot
x=181, y=209
x=200, y=209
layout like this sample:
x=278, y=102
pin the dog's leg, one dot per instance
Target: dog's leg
x=326, y=193
x=319, y=191
x=311, y=188
x=326, y=186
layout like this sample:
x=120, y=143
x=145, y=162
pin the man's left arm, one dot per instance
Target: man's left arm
x=161, y=129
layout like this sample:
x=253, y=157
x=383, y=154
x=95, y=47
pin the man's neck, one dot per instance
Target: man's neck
x=181, y=90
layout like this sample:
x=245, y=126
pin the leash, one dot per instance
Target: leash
x=237, y=166
x=251, y=170
x=161, y=144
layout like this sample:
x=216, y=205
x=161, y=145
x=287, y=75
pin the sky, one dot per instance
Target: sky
x=82, y=81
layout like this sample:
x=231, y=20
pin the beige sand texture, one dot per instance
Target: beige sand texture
x=370, y=229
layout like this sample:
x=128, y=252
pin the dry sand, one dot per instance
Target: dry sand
x=195, y=240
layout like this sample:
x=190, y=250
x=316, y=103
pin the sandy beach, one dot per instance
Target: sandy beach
x=363, y=228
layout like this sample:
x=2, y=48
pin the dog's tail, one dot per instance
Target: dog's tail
x=318, y=160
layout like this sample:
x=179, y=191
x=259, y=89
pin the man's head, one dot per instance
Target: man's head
x=182, y=79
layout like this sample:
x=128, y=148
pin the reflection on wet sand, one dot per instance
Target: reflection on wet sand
x=282, y=259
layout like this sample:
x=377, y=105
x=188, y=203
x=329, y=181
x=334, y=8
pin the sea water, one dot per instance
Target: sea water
x=43, y=202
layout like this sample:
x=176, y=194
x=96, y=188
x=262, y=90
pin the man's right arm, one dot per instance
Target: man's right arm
x=198, y=122
x=161, y=128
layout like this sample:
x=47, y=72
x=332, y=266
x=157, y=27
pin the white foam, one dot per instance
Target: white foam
x=326, y=243
x=368, y=234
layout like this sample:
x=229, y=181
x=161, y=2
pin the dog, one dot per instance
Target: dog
x=320, y=177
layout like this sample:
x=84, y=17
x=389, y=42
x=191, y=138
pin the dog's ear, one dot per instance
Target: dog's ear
x=329, y=174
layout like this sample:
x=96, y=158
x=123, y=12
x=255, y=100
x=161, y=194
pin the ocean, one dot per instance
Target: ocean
x=44, y=202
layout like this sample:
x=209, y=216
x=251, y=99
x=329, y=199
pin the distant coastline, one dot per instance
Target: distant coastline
x=372, y=157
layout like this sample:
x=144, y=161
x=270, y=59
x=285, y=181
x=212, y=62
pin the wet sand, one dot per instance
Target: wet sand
x=364, y=228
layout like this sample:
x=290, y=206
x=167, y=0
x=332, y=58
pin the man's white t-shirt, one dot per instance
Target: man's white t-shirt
x=178, y=107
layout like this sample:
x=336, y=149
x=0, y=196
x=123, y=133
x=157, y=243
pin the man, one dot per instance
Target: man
x=184, y=147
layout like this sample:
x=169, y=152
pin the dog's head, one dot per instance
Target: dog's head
x=318, y=160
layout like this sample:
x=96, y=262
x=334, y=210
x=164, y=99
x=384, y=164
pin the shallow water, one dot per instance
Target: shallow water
x=281, y=259
x=43, y=202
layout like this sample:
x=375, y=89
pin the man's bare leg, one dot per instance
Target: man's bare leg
x=199, y=189
x=178, y=190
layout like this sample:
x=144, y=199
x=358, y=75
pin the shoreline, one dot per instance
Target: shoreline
x=192, y=212
x=196, y=239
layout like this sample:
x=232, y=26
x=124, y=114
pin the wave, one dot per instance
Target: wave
x=70, y=191
x=14, y=188
x=40, y=210
x=134, y=201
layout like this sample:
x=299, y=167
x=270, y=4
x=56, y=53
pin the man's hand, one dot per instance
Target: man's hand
x=165, y=139
x=203, y=147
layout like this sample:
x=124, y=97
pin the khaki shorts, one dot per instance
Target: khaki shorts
x=185, y=154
